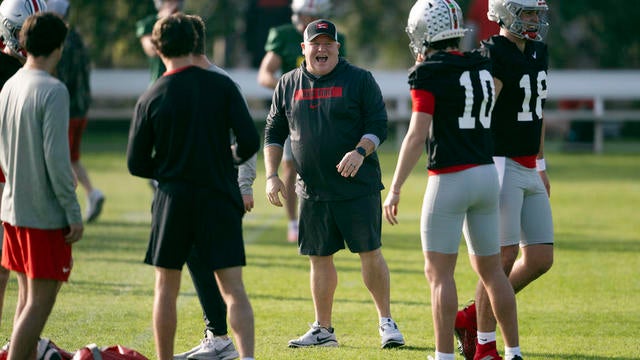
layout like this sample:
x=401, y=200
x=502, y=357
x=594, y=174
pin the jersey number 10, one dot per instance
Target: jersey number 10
x=467, y=120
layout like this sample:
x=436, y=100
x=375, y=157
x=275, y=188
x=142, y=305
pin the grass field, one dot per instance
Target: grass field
x=586, y=307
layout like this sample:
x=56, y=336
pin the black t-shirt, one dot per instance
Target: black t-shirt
x=463, y=91
x=517, y=115
x=180, y=132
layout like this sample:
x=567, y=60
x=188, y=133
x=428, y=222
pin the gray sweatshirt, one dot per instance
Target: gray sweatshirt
x=34, y=152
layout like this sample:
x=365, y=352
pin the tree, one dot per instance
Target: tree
x=581, y=32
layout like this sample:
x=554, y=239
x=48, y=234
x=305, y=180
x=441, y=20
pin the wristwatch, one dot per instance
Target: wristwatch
x=361, y=151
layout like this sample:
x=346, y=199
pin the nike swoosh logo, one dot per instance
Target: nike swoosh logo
x=314, y=106
x=322, y=339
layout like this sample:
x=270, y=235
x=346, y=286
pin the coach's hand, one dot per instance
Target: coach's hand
x=275, y=186
x=350, y=164
x=75, y=233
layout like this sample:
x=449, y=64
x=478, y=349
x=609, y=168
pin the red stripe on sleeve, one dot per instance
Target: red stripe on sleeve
x=423, y=101
x=36, y=8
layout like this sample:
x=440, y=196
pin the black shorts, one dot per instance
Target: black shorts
x=186, y=217
x=325, y=226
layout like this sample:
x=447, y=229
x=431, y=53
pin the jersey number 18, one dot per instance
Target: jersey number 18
x=525, y=84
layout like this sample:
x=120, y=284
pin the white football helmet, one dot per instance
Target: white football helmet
x=13, y=13
x=315, y=8
x=507, y=14
x=433, y=20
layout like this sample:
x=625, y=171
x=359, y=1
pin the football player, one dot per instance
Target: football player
x=520, y=63
x=41, y=215
x=453, y=94
x=156, y=138
x=13, y=13
x=74, y=71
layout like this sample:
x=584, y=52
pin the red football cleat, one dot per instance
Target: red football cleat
x=466, y=330
x=487, y=352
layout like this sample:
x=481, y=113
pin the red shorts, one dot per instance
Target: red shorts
x=2, y=179
x=38, y=253
x=76, y=127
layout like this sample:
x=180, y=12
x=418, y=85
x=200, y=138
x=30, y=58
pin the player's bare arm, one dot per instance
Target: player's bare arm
x=269, y=66
x=410, y=153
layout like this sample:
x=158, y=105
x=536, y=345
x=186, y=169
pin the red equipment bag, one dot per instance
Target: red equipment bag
x=116, y=352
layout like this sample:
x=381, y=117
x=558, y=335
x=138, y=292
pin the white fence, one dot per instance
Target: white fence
x=600, y=86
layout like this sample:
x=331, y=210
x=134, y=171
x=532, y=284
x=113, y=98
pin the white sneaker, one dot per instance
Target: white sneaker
x=185, y=355
x=95, y=201
x=215, y=348
x=316, y=336
x=391, y=336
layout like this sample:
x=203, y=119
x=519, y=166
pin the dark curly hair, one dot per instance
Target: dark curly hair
x=174, y=35
x=198, y=25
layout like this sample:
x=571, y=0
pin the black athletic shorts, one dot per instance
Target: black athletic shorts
x=325, y=226
x=185, y=216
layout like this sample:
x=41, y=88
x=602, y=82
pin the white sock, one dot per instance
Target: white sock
x=444, y=356
x=510, y=352
x=384, y=320
x=248, y=358
x=293, y=224
x=486, y=337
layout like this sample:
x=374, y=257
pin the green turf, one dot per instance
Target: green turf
x=586, y=307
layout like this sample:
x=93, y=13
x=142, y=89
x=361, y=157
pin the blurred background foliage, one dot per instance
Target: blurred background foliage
x=583, y=33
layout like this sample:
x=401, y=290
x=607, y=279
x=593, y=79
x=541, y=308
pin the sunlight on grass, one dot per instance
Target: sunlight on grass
x=586, y=307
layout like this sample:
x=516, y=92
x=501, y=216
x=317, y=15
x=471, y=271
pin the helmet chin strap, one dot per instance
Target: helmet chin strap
x=20, y=54
x=15, y=50
x=425, y=46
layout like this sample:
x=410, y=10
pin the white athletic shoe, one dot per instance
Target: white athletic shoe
x=215, y=348
x=316, y=336
x=95, y=200
x=391, y=337
x=185, y=355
